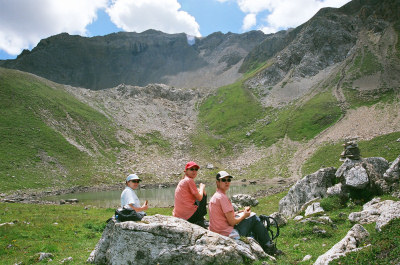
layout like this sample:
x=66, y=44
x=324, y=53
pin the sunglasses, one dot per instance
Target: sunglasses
x=193, y=169
x=136, y=181
x=225, y=180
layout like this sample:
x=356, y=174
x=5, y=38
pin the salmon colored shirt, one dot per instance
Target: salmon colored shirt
x=184, y=206
x=218, y=206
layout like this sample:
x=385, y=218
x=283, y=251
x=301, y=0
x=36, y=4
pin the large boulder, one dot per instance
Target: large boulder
x=363, y=175
x=308, y=188
x=376, y=211
x=162, y=239
x=349, y=243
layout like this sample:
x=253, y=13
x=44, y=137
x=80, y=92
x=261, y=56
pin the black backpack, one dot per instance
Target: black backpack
x=127, y=214
x=271, y=224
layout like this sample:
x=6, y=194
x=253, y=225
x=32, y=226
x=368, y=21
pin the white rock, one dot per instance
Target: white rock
x=349, y=243
x=313, y=209
x=169, y=240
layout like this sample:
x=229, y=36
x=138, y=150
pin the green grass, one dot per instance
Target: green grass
x=299, y=123
x=63, y=230
x=227, y=117
x=313, y=117
x=357, y=98
x=384, y=249
x=365, y=63
x=33, y=153
x=71, y=231
x=155, y=139
x=385, y=146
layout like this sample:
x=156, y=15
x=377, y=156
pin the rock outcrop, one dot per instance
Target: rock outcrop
x=309, y=188
x=162, y=239
x=376, y=211
x=365, y=175
x=349, y=243
x=242, y=200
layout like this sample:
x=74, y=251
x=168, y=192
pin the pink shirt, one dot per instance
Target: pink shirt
x=184, y=206
x=218, y=206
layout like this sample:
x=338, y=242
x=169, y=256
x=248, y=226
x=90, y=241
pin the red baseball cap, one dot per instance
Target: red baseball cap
x=191, y=164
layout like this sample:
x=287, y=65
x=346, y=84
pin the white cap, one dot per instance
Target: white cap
x=132, y=177
x=223, y=174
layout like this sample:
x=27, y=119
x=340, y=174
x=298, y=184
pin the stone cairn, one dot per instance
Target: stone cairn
x=351, y=151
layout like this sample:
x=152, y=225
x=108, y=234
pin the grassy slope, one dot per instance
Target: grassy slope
x=385, y=146
x=226, y=117
x=34, y=155
x=71, y=231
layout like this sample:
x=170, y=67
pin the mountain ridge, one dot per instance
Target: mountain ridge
x=265, y=125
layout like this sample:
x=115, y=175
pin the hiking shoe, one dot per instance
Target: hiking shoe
x=270, y=249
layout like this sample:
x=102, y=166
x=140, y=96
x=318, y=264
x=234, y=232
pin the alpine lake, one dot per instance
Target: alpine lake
x=157, y=197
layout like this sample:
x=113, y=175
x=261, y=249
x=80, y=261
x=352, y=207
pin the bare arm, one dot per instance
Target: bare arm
x=199, y=196
x=232, y=220
x=139, y=209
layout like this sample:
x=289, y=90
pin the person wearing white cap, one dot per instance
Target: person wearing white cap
x=224, y=220
x=129, y=197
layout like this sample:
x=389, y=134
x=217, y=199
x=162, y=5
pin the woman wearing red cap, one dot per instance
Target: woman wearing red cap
x=190, y=202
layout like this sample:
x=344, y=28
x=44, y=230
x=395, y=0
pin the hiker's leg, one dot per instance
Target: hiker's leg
x=260, y=232
x=245, y=226
x=201, y=210
x=255, y=226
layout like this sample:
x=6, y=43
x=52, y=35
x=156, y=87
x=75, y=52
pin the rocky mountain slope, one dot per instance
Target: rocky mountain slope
x=138, y=59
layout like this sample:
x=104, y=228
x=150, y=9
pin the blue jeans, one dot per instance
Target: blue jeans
x=253, y=226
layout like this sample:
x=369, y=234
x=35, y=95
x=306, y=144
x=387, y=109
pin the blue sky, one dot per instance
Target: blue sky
x=23, y=23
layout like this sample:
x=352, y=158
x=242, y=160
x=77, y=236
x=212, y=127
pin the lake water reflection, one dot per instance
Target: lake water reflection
x=157, y=197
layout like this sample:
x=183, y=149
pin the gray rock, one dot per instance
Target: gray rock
x=69, y=259
x=298, y=218
x=335, y=190
x=307, y=257
x=356, y=178
x=349, y=243
x=318, y=231
x=210, y=166
x=308, y=188
x=376, y=211
x=280, y=219
x=325, y=219
x=392, y=175
x=44, y=255
x=162, y=239
x=313, y=209
x=243, y=200
x=365, y=174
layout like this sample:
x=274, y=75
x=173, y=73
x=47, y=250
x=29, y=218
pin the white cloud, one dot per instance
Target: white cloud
x=283, y=14
x=249, y=21
x=256, y=6
x=24, y=22
x=163, y=15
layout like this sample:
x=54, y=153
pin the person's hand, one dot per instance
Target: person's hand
x=202, y=186
x=145, y=206
x=246, y=212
